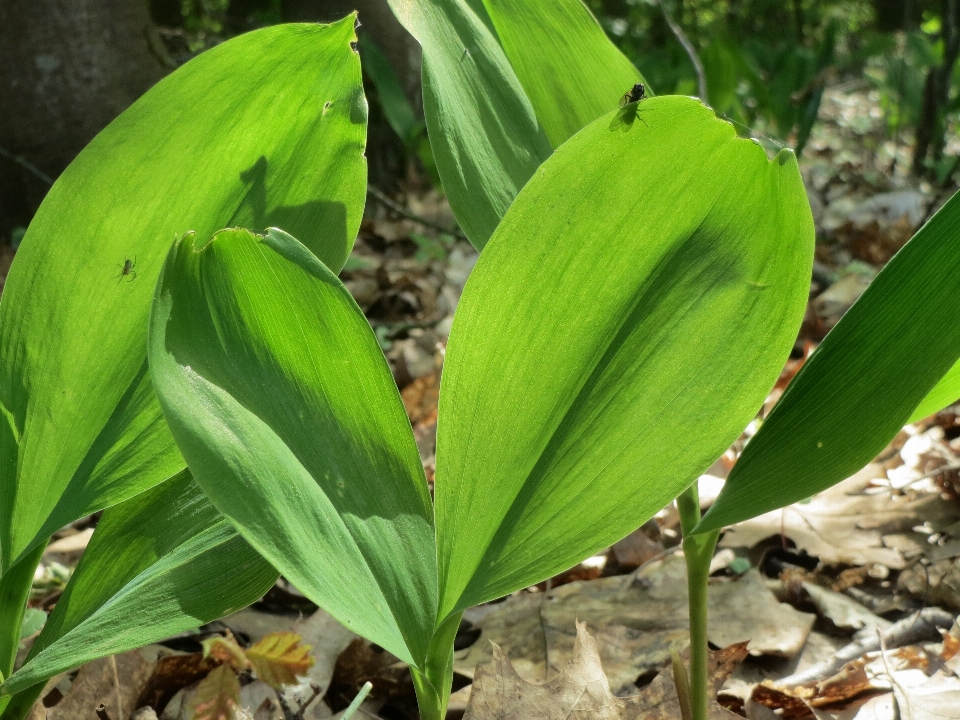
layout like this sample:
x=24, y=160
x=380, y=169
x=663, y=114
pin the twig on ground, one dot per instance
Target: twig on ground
x=690, y=50
x=26, y=165
x=933, y=473
x=894, y=685
x=116, y=685
x=289, y=713
x=102, y=712
x=543, y=629
x=381, y=197
x=919, y=626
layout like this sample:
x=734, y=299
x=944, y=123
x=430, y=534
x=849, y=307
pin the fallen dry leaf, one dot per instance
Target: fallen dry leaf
x=844, y=612
x=170, y=675
x=639, y=620
x=279, y=659
x=581, y=690
x=217, y=696
x=328, y=639
x=225, y=650
x=115, y=681
x=844, y=525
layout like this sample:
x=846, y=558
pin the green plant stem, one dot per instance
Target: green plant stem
x=697, y=552
x=14, y=593
x=434, y=682
x=361, y=696
x=17, y=707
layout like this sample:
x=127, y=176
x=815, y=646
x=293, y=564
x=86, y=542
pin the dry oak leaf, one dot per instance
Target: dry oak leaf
x=581, y=690
x=217, y=696
x=225, y=650
x=279, y=658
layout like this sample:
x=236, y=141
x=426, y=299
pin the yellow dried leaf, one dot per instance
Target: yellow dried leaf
x=279, y=658
x=217, y=697
x=225, y=650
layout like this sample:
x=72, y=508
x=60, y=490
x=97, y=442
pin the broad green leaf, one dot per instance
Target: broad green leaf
x=483, y=131
x=861, y=385
x=623, y=325
x=569, y=69
x=158, y=564
x=283, y=405
x=946, y=392
x=265, y=129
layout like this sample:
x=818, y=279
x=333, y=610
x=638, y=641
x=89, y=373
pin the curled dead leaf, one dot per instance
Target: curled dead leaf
x=226, y=651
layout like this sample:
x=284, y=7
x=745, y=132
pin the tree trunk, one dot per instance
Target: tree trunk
x=67, y=68
x=936, y=93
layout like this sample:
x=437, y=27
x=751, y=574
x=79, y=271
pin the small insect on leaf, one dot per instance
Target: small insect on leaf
x=225, y=650
x=217, y=697
x=127, y=270
x=279, y=658
x=634, y=94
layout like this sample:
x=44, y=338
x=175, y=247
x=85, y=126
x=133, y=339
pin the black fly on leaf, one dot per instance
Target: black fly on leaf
x=634, y=94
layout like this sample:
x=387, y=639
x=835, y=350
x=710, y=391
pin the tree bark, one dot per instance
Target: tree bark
x=67, y=68
x=936, y=93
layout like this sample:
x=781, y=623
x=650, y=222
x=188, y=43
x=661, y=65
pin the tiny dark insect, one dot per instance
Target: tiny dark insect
x=634, y=94
x=127, y=270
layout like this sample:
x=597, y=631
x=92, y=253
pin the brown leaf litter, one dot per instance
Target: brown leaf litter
x=581, y=691
x=638, y=619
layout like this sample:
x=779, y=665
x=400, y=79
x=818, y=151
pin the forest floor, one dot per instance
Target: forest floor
x=848, y=601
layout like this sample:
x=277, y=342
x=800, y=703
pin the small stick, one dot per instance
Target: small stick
x=400, y=210
x=911, y=629
x=301, y=713
x=102, y=712
x=894, y=685
x=933, y=473
x=26, y=165
x=361, y=696
x=690, y=50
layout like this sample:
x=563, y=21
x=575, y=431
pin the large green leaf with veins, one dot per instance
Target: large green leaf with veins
x=622, y=326
x=891, y=359
x=158, y=564
x=569, y=68
x=485, y=137
x=280, y=398
x=265, y=129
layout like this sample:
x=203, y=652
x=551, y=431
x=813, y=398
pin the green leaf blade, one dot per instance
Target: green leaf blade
x=282, y=403
x=158, y=564
x=485, y=136
x=567, y=65
x=267, y=128
x=946, y=392
x=648, y=281
x=861, y=385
